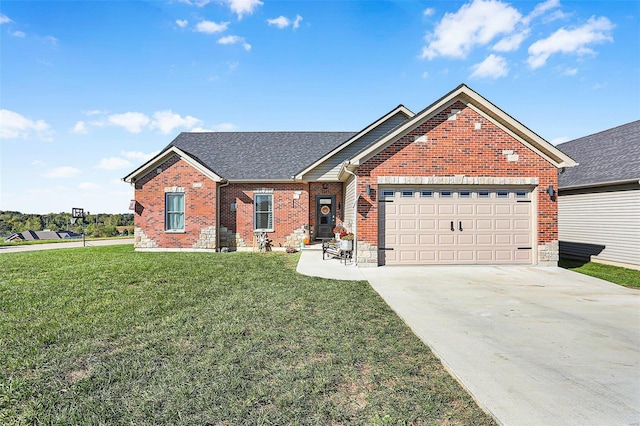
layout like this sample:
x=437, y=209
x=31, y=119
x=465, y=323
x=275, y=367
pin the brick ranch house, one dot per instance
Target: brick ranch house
x=460, y=182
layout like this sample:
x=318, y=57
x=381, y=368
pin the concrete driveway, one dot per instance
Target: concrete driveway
x=534, y=346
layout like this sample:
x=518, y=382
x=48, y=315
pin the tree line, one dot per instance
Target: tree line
x=96, y=225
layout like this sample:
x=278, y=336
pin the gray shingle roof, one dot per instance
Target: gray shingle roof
x=609, y=156
x=258, y=155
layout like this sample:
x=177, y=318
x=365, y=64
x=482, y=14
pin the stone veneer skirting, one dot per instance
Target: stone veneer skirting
x=141, y=240
x=367, y=254
x=207, y=238
x=548, y=254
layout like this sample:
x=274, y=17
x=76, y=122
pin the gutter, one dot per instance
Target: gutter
x=355, y=218
x=601, y=184
x=222, y=185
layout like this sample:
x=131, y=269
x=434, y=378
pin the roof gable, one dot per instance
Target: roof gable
x=485, y=108
x=610, y=156
x=163, y=156
x=372, y=132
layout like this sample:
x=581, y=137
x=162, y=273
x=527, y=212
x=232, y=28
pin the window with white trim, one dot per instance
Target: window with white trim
x=263, y=212
x=174, y=211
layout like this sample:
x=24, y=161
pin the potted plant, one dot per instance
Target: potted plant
x=346, y=240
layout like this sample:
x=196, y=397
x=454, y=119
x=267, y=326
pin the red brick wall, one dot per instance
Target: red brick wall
x=200, y=203
x=288, y=213
x=455, y=147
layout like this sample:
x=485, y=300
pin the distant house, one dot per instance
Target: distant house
x=460, y=182
x=41, y=235
x=599, y=200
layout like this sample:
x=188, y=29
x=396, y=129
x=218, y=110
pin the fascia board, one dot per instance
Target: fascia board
x=400, y=108
x=164, y=156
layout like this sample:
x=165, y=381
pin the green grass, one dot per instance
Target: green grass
x=108, y=336
x=615, y=274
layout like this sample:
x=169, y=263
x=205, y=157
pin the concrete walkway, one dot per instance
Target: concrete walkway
x=71, y=244
x=534, y=346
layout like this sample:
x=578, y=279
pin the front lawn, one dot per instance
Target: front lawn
x=103, y=335
x=615, y=274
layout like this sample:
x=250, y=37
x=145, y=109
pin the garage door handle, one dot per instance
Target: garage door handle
x=452, y=228
x=460, y=225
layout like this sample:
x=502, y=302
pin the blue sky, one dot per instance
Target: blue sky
x=91, y=89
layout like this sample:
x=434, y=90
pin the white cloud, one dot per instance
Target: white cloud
x=14, y=125
x=199, y=3
x=280, y=22
x=4, y=19
x=242, y=7
x=541, y=9
x=492, y=67
x=224, y=127
x=113, y=163
x=210, y=27
x=511, y=42
x=62, y=172
x=429, y=12
x=80, y=128
x=51, y=39
x=18, y=34
x=88, y=186
x=474, y=24
x=38, y=163
x=132, y=121
x=234, y=39
x=284, y=22
x=182, y=23
x=95, y=112
x=138, y=155
x=166, y=121
x=570, y=71
x=567, y=41
x=425, y=74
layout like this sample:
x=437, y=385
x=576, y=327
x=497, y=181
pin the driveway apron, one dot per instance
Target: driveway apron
x=534, y=346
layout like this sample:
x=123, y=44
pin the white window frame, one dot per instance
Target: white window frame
x=268, y=212
x=168, y=213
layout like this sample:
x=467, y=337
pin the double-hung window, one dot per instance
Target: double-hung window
x=263, y=212
x=174, y=211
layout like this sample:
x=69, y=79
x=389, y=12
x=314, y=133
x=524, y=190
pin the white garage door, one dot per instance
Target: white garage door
x=455, y=226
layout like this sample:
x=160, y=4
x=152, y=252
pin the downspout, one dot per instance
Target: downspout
x=218, y=213
x=355, y=217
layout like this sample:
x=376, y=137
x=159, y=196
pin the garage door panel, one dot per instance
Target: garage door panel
x=487, y=229
x=408, y=239
x=408, y=209
x=502, y=209
x=446, y=239
x=426, y=239
x=445, y=209
x=484, y=240
x=484, y=209
x=427, y=225
x=484, y=224
x=427, y=209
x=466, y=239
x=408, y=225
x=465, y=209
x=503, y=239
x=502, y=224
x=466, y=255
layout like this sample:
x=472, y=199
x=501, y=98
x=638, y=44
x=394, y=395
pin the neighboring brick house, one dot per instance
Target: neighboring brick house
x=460, y=182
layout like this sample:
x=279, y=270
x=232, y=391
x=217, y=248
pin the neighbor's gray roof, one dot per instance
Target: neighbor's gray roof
x=258, y=155
x=609, y=156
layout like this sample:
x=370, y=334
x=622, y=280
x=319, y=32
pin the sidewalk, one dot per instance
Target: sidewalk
x=311, y=264
x=71, y=244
